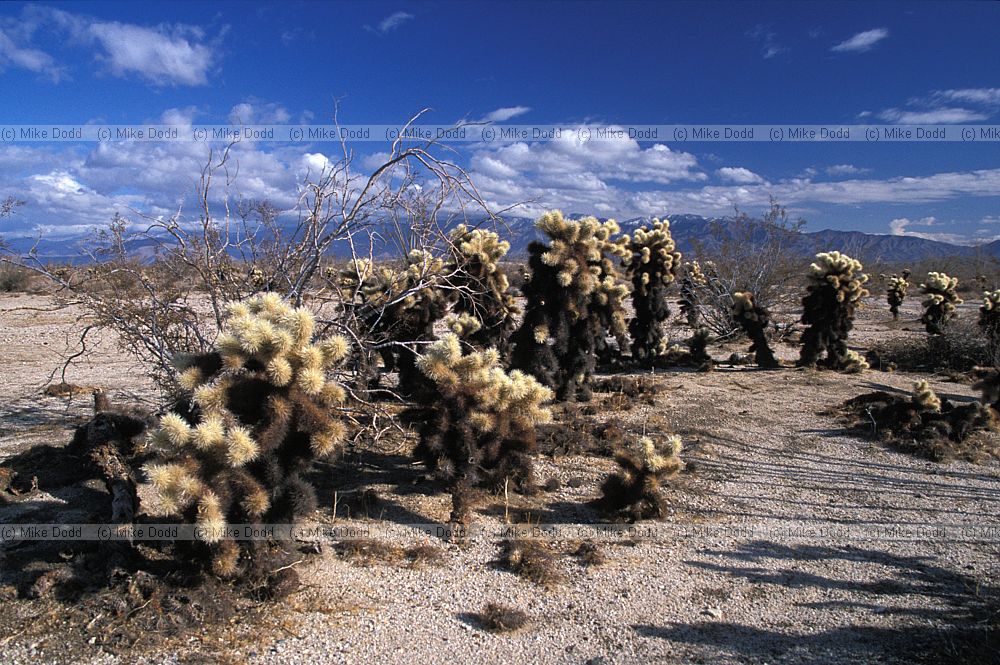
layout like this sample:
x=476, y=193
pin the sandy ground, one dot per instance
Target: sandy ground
x=761, y=455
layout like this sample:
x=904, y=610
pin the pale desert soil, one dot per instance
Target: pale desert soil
x=761, y=453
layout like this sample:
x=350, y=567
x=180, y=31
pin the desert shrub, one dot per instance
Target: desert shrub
x=923, y=423
x=13, y=278
x=940, y=303
x=261, y=411
x=988, y=382
x=834, y=291
x=634, y=491
x=896, y=293
x=989, y=316
x=754, y=320
x=652, y=266
x=477, y=426
x=961, y=347
x=691, y=278
x=742, y=254
x=571, y=296
x=482, y=289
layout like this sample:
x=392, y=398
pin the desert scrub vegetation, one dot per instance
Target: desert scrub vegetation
x=940, y=302
x=834, y=291
x=747, y=255
x=261, y=410
x=573, y=298
x=754, y=320
x=692, y=278
x=924, y=423
x=634, y=491
x=477, y=426
x=896, y=293
x=652, y=265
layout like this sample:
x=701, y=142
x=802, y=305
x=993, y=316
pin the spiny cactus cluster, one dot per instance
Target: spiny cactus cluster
x=400, y=308
x=652, y=265
x=573, y=301
x=924, y=398
x=692, y=278
x=483, y=300
x=478, y=425
x=754, y=321
x=989, y=315
x=262, y=409
x=634, y=491
x=835, y=289
x=896, y=293
x=988, y=383
x=940, y=303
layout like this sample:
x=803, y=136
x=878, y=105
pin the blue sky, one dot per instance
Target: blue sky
x=534, y=63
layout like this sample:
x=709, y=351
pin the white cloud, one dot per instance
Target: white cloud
x=23, y=57
x=845, y=169
x=984, y=96
x=938, y=116
x=861, y=42
x=255, y=112
x=160, y=57
x=899, y=227
x=768, y=41
x=739, y=175
x=390, y=23
x=505, y=113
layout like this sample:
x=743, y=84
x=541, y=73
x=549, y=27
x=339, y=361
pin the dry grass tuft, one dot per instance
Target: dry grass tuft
x=498, y=618
x=530, y=559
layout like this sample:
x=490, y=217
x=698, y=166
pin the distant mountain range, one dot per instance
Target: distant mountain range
x=687, y=230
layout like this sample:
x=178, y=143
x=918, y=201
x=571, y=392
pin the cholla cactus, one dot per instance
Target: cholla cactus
x=634, y=491
x=940, y=303
x=483, y=291
x=989, y=315
x=652, y=266
x=400, y=308
x=573, y=302
x=754, y=320
x=896, y=293
x=691, y=278
x=262, y=411
x=835, y=289
x=478, y=425
x=925, y=399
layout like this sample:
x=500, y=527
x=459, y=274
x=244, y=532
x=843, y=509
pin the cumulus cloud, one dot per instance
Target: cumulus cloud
x=739, y=175
x=255, y=112
x=861, y=42
x=900, y=227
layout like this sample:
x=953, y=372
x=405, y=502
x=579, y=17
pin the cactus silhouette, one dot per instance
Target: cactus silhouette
x=261, y=411
x=834, y=291
x=652, y=266
x=896, y=293
x=940, y=303
x=573, y=301
x=478, y=424
x=754, y=321
x=634, y=491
